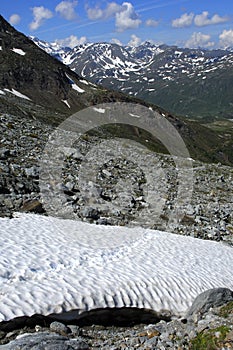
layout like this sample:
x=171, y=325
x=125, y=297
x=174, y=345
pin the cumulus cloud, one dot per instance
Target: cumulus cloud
x=204, y=20
x=125, y=15
x=127, y=18
x=71, y=41
x=97, y=13
x=116, y=41
x=14, y=19
x=40, y=14
x=200, y=20
x=199, y=40
x=226, y=38
x=152, y=23
x=67, y=9
x=135, y=40
x=183, y=21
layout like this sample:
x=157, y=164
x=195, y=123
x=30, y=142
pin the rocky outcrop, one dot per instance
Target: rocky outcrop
x=46, y=340
x=210, y=299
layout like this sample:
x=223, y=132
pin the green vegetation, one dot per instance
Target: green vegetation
x=226, y=310
x=210, y=340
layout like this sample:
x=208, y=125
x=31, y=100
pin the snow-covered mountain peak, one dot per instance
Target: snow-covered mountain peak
x=182, y=80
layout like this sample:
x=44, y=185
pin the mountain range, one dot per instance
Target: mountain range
x=194, y=83
x=36, y=86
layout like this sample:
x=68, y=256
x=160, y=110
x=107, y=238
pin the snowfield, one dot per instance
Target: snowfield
x=50, y=265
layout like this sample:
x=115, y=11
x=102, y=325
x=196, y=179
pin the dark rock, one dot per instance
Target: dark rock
x=91, y=213
x=4, y=153
x=32, y=206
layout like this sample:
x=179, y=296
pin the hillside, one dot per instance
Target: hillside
x=47, y=85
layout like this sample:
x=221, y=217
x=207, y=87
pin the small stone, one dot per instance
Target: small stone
x=60, y=328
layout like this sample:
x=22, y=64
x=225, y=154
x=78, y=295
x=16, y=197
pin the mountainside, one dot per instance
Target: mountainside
x=34, y=84
x=190, y=82
x=32, y=81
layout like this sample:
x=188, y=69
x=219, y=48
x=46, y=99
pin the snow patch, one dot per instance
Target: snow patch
x=66, y=102
x=50, y=265
x=2, y=92
x=19, y=52
x=178, y=53
x=74, y=85
x=18, y=94
x=84, y=82
x=77, y=88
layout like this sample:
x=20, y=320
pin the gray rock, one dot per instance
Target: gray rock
x=60, y=328
x=33, y=171
x=211, y=298
x=90, y=213
x=45, y=341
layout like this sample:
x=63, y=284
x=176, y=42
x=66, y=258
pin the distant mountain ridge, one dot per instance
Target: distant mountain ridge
x=195, y=83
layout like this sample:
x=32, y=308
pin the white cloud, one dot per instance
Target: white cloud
x=71, y=41
x=226, y=38
x=67, y=9
x=152, y=23
x=14, y=19
x=125, y=15
x=116, y=41
x=183, y=21
x=135, y=40
x=97, y=13
x=199, y=40
x=127, y=18
x=40, y=13
x=203, y=19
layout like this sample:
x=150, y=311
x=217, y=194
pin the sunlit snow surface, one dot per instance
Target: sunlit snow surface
x=50, y=265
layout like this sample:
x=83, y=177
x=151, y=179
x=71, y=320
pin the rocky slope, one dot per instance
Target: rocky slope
x=208, y=216
x=190, y=82
x=38, y=92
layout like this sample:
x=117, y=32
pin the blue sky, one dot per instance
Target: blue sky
x=190, y=23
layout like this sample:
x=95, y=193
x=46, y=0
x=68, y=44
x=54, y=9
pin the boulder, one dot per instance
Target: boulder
x=209, y=299
x=45, y=340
